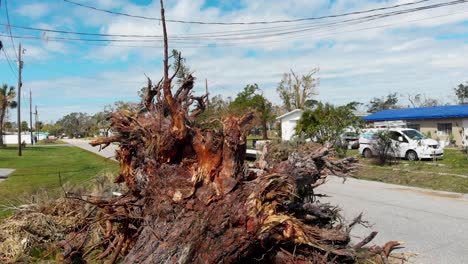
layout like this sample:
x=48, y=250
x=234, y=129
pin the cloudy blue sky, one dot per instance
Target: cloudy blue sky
x=422, y=52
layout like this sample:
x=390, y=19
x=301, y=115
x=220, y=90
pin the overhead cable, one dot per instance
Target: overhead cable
x=9, y=30
x=242, y=23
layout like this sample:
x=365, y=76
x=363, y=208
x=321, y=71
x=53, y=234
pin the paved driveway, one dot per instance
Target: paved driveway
x=433, y=224
x=108, y=152
x=4, y=173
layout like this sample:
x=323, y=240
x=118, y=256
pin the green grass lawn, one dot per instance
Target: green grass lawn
x=439, y=175
x=39, y=167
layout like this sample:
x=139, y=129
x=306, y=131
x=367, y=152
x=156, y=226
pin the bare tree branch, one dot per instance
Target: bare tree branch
x=167, y=81
x=179, y=60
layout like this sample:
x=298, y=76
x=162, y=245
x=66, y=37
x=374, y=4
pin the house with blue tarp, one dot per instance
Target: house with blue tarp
x=444, y=123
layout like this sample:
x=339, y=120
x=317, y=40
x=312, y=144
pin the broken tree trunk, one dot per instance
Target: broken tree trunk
x=196, y=202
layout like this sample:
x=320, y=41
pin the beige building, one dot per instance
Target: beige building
x=446, y=124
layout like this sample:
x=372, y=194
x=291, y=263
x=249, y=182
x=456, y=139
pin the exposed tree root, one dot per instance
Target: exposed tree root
x=192, y=199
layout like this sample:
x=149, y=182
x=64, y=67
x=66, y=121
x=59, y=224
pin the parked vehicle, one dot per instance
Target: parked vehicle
x=351, y=139
x=465, y=144
x=408, y=143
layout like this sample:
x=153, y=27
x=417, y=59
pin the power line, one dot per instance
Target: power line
x=363, y=29
x=353, y=21
x=82, y=33
x=9, y=63
x=143, y=81
x=228, y=44
x=191, y=35
x=211, y=34
x=93, y=43
x=9, y=29
x=185, y=35
x=243, y=23
x=260, y=33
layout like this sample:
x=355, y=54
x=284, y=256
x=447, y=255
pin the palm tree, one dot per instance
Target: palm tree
x=7, y=96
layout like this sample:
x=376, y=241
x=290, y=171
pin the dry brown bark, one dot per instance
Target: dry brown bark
x=193, y=200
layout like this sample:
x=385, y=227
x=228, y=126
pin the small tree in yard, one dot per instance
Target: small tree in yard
x=24, y=126
x=7, y=95
x=421, y=100
x=54, y=129
x=217, y=110
x=250, y=99
x=8, y=126
x=461, y=91
x=77, y=124
x=377, y=104
x=297, y=91
x=326, y=123
x=384, y=147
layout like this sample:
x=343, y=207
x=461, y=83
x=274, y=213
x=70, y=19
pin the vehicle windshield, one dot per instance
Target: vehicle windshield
x=414, y=134
x=351, y=134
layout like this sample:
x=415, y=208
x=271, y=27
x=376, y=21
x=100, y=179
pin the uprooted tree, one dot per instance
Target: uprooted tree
x=191, y=198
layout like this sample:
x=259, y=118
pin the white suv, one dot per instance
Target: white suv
x=409, y=143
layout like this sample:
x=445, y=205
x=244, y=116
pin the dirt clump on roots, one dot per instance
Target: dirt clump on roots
x=270, y=216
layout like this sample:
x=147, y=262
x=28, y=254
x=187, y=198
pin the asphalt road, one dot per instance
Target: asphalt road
x=433, y=224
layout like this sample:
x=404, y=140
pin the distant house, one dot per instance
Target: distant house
x=12, y=138
x=443, y=123
x=288, y=123
x=41, y=135
x=105, y=132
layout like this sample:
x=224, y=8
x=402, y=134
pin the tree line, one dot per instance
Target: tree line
x=321, y=121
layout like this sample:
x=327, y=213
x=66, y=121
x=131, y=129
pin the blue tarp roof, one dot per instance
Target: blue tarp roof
x=448, y=111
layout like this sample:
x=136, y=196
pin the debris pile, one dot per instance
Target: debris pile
x=48, y=228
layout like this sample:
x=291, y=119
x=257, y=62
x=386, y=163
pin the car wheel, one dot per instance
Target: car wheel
x=412, y=155
x=367, y=153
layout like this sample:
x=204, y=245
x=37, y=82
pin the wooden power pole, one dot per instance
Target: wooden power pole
x=36, y=121
x=30, y=117
x=20, y=68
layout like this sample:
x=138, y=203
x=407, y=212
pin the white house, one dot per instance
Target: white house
x=288, y=123
x=13, y=138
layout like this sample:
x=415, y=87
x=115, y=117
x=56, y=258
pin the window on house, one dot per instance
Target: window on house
x=415, y=126
x=444, y=128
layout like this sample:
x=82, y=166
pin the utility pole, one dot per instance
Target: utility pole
x=207, y=94
x=35, y=122
x=30, y=116
x=20, y=68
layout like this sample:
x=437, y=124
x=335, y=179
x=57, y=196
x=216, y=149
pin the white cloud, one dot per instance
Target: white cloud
x=34, y=10
x=35, y=53
x=412, y=44
x=450, y=61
